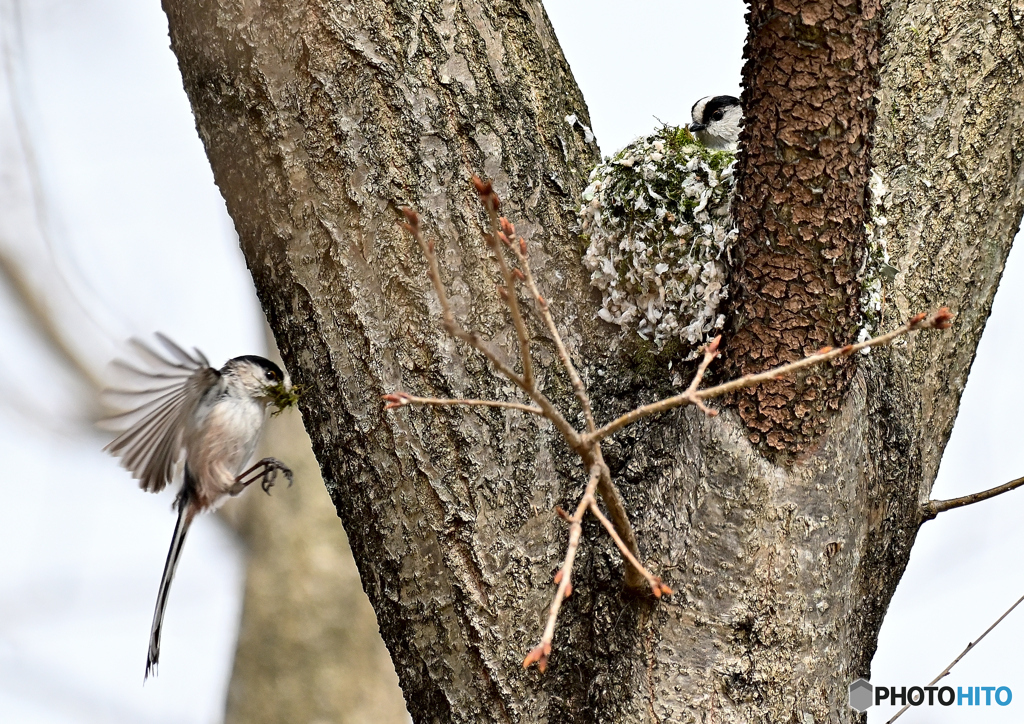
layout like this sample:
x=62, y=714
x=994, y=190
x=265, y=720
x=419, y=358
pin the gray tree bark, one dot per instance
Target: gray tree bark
x=322, y=118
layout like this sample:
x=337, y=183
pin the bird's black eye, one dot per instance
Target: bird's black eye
x=717, y=116
x=272, y=375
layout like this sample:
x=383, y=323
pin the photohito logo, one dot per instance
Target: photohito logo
x=863, y=695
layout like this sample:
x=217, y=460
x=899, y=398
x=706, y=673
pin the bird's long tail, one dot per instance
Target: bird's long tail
x=186, y=513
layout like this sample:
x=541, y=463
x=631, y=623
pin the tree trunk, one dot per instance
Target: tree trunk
x=322, y=118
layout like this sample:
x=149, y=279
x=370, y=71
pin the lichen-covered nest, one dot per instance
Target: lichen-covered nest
x=660, y=235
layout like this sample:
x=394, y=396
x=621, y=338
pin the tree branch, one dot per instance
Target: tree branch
x=971, y=645
x=933, y=507
x=401, y=399
x=412, y=225
x=939, y=319
x=540, y=653
x=508, y=293
x=509, y=236
x=657, y=587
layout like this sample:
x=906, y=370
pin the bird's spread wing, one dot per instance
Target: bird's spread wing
x=152, y=404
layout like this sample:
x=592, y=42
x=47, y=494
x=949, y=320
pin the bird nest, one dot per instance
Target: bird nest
x=660, y=234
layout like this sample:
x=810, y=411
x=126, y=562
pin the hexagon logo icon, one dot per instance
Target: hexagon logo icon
x=860, y=695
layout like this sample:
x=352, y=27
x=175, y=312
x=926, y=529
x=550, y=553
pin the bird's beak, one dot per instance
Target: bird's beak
x=694, y=127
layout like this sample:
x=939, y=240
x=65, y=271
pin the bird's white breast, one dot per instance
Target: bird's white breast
x=223, y=437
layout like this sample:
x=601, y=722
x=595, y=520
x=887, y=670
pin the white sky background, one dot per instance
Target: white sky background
x=141, y=232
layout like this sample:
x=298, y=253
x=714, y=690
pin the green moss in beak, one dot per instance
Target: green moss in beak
x=281, y=397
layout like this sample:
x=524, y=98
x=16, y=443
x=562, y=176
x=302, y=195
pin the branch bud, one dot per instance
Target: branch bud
x=942, y=319
x=411, y=217
x=539, y=655
x=484, y=188
x=396, y=399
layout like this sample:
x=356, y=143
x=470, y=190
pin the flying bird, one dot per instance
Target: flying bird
x=181, y=418
x=717, y=121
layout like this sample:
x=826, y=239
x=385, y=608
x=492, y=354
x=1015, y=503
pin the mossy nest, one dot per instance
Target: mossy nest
x=660, y=234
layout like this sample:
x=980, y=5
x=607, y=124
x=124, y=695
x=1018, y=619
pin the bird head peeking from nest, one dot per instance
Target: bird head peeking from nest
x=717, y=121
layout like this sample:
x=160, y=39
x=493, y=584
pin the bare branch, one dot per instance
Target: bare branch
x=490, y=201
x=524, y=264
x=933, y=507
x=401, y=399
x=710, y=352
x=412, y=225
x=620, y=518
x=657, y=587
x=971, y=645
x=939, y=319
x=540, y=653
x=39, y=310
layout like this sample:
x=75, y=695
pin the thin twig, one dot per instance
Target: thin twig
x=933, y=507
x=606, y=488
x=938, y=319
x=401, y=399
x=617, y=512
x=490, y=201
x=657, y=587
x=540, y=653
x=519, y=248
x=412, y=225
x=710, y=352
x=971, y=645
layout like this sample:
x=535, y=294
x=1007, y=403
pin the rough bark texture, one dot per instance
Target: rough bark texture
x=308, y=645
x=321, y=118
x=809, y=84
x=950, y=139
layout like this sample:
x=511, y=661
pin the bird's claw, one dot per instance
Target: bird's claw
x=265, y=471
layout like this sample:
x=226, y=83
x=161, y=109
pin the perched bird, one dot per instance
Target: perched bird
x=717, y=121
x=183, y=417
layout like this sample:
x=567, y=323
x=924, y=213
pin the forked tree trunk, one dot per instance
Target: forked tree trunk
x=321, y=119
